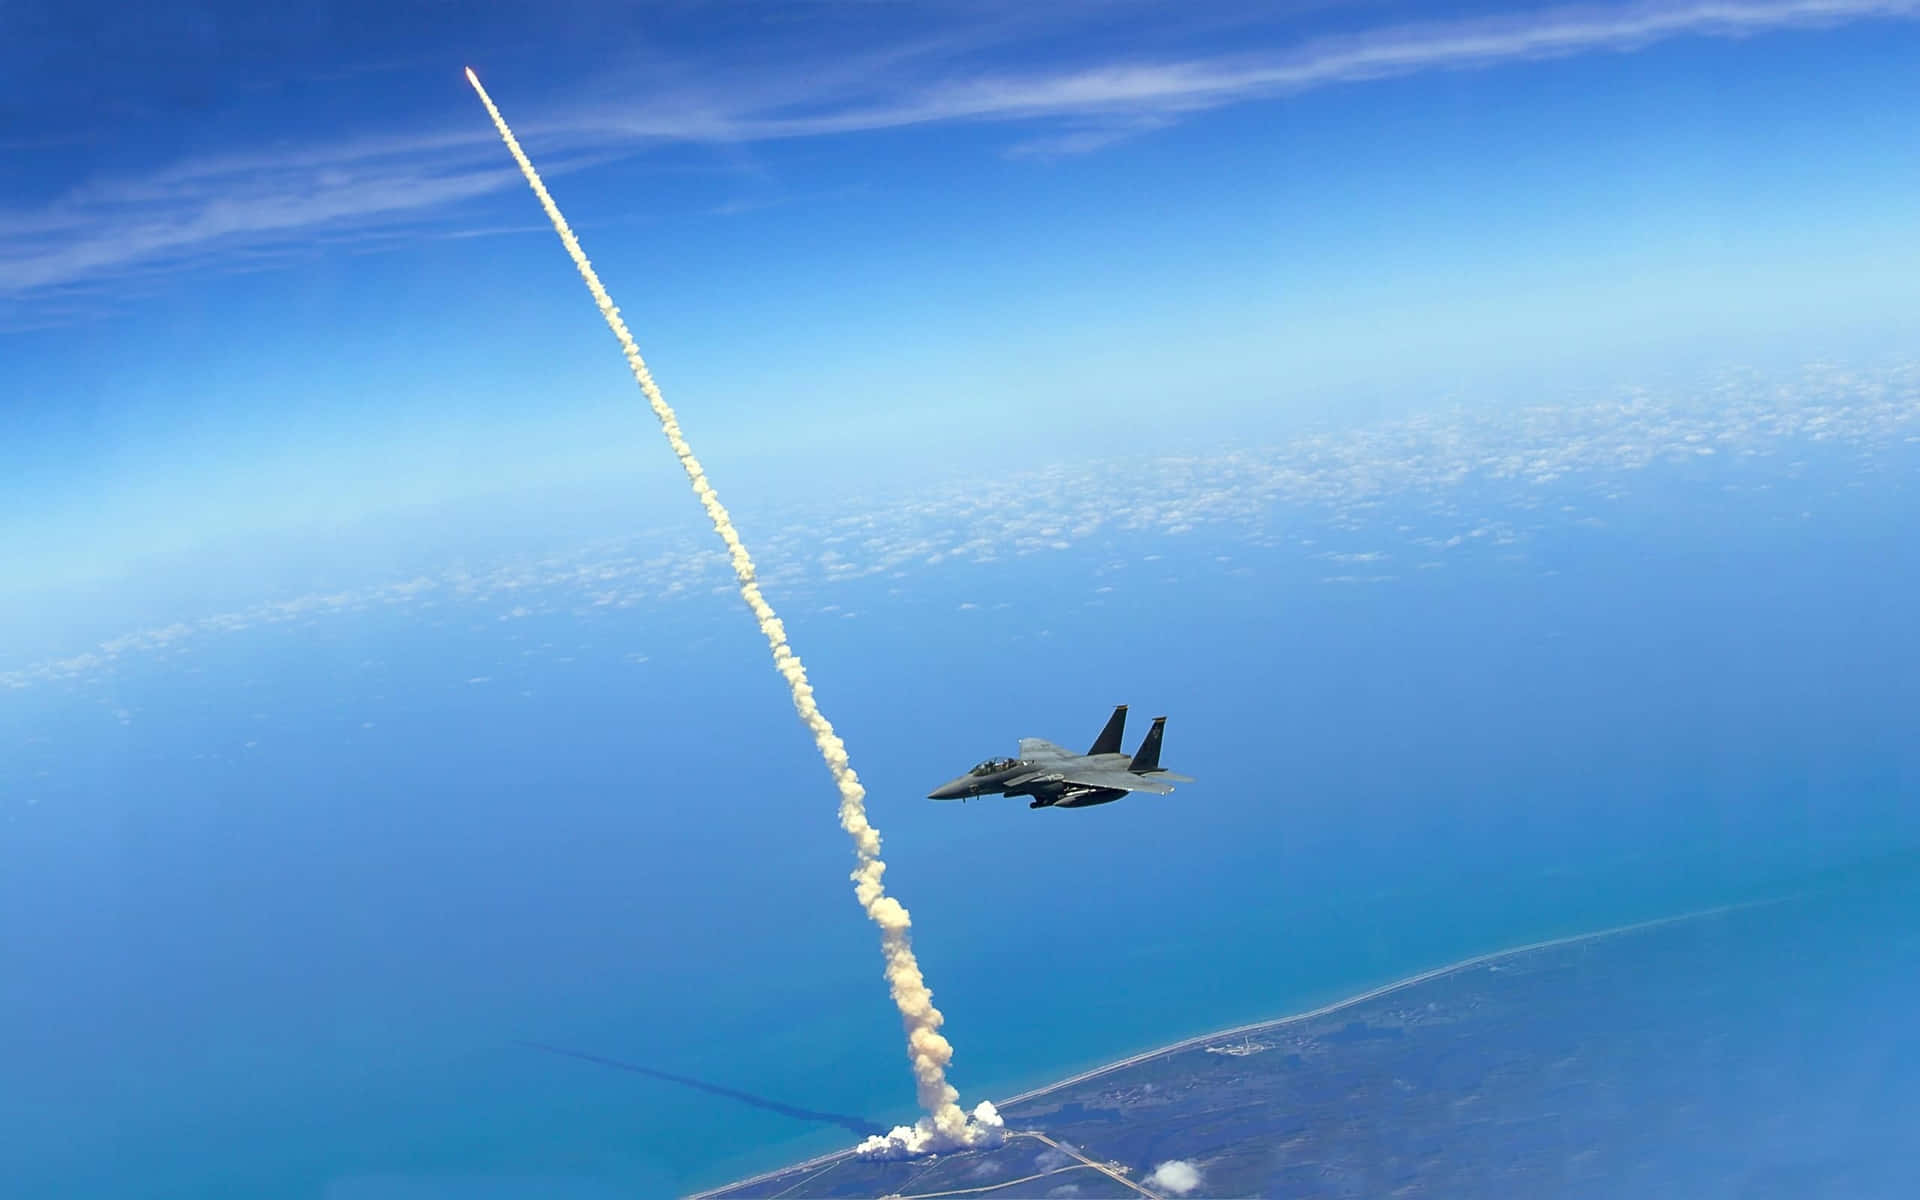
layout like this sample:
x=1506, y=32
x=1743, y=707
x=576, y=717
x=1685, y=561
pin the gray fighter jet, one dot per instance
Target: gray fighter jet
x=1056, y=777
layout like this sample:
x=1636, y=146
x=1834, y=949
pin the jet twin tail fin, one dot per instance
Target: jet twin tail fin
x=1147, y=757
x=1109, y=740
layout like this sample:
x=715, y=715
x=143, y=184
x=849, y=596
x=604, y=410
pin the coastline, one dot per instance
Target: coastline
x=1385, y=989
x=1272, y=1023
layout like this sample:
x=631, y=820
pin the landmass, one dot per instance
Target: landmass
x=1702, y=1055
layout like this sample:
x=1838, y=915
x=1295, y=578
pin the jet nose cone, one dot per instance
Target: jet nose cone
x=951, y=790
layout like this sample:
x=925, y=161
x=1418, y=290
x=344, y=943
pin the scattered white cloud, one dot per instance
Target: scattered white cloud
x=1175, y=1177
x=1471, y=474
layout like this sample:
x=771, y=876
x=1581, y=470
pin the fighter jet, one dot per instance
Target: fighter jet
x=1056, y=777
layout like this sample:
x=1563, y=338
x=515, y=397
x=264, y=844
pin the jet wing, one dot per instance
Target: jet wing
x=1170, y=776
x=1124, y=780
x=1040, y=750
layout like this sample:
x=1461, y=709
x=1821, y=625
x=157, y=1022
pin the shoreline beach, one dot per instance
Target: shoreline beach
x=1272, y=1023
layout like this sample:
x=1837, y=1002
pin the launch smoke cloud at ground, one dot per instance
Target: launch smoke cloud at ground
x=945, y=1125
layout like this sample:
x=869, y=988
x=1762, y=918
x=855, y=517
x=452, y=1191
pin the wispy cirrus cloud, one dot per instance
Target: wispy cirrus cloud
x=1113, y=100
x=811, y=89
x=245, y=206
x=112, y=231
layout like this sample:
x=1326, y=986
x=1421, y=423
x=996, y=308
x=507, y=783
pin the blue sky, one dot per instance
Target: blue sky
x=262, y=270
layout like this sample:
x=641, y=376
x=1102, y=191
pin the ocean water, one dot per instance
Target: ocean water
x=279, y=903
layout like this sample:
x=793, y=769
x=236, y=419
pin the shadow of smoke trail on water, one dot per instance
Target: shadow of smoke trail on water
x=856, y=1125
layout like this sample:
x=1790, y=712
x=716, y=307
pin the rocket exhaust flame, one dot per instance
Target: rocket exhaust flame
x=946, y=1125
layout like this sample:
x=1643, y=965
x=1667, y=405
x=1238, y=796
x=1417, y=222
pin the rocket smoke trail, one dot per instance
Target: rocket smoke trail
x=946, y=1125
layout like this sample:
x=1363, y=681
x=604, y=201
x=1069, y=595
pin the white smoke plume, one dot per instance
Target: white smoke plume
x=930, y=1133
x=946, y=1125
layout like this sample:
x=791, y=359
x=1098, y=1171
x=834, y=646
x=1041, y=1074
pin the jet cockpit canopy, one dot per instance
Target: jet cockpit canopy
x=994, y=766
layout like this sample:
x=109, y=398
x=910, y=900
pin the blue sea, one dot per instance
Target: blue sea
x=282, y=899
